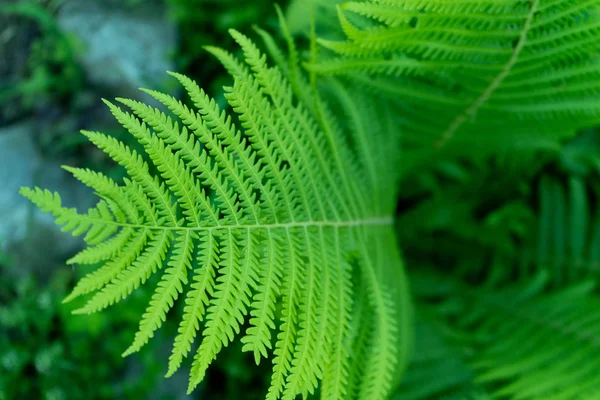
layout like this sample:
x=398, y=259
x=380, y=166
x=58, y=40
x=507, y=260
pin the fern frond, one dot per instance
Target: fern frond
x=528, y=68
x=521, y=340
x=244, y=211
x=566, y=240
x=440, y=366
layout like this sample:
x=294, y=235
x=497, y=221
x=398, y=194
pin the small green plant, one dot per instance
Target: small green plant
x=273, y=221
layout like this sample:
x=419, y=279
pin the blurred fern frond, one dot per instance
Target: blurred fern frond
x=567, y=237
x=506, y=341
x=476, y=71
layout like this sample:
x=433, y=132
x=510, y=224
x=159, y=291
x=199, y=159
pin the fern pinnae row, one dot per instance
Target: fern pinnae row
x=293, y=73
x=382, y=358
x=267, y=111
x=367, y=154
x=221, y=123
x=300, y=85
x=335, y=144
x=95, y=233
x=272, y=47
x=247, y=109
x=310, y=129
x=167, y=291
x=138, y=171
x=326, y=309
x=344, y=159
x=563, y=35
x=258, y=335
x=135, y=193
x=489, y=91
x=336, y=368
x=222, y=158
x=285, y=111
x=106, y=188
x=223, y=319
x=293, y=283
x=251, y=108
x=183, y=185
x=134, y=275
x=571, y=10
x=105, y=250
x=97, y=279
x=196, y=301
x=249, y=277
x=185, y=148
x=358, y=338
x=302, y=376
x=537, y=63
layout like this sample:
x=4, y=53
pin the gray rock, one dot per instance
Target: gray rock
x=125, y=48
x=28, y=236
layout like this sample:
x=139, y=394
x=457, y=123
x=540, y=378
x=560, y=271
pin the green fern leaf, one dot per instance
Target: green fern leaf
x=517, y=71
x=244, y=217
x=517, y=340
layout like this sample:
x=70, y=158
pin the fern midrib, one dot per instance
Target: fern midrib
x=495, y=84
x=383, y=220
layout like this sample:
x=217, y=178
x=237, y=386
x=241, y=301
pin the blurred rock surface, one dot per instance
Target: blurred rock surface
x=28, y=236
x=125, y=47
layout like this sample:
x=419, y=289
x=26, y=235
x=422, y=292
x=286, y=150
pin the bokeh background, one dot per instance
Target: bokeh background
x=58, y=59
